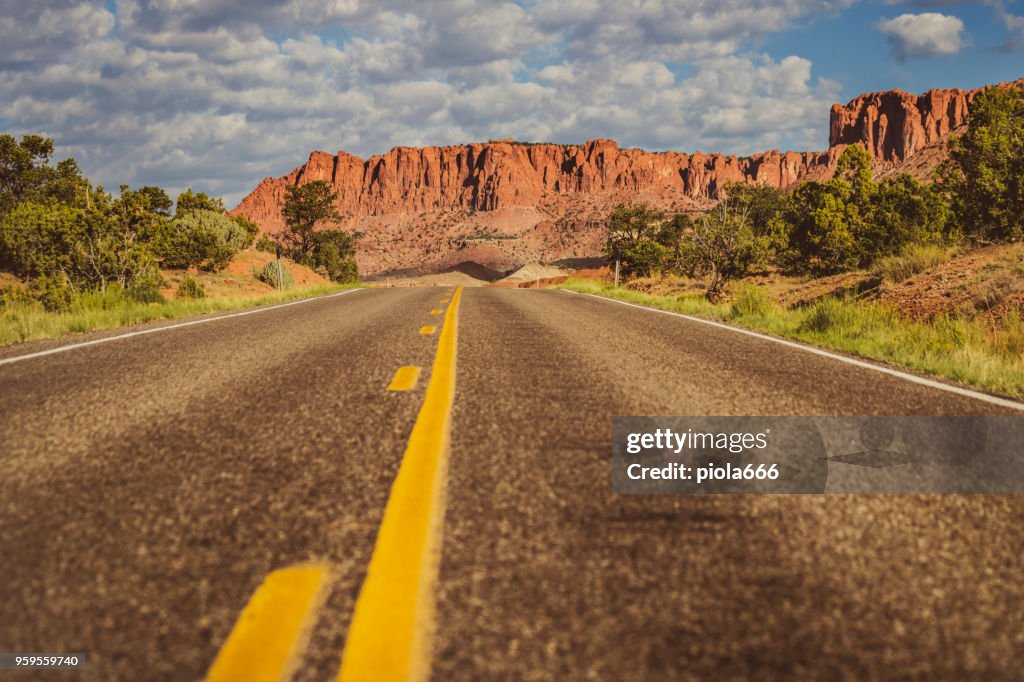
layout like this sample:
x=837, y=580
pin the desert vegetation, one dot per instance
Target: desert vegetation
x=65, y=238
x=850, y=222
x=969, y=350
x=898, y=226
x=75, y=257
x=308, y=238
x=861, y=242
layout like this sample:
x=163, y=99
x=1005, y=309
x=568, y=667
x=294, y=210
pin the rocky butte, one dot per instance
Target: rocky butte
x=503, y=203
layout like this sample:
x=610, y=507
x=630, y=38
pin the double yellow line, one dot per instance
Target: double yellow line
x=392, y=629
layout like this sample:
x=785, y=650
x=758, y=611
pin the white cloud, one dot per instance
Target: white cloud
x=1013, y=23
x=930, y=34
x=34, y=33
x=1015, y=26
x=220, y=93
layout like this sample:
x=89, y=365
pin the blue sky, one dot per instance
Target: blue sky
x=850, y=49
x=218, y=94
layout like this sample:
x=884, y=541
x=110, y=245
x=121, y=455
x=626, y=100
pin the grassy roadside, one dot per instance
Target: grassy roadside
x=24, y=322
x=959, y=349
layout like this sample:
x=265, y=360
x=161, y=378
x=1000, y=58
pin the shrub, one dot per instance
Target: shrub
x=1010, y=339
x=347, y=272
x=839, y=318
x=268, y=275
x=189, y=201
x=190, y=288
x=632, y=240
x=332, y=255
x=84, y=249
x=266, y=244
x=52, y=291
x=201, y=238
x=750, y=301
x=13, y=297
x=723, y=246
x=645, y=258
x=828, y=314
x=249, y=228
x=145, y=294
x=983, y=176
x=912, y=260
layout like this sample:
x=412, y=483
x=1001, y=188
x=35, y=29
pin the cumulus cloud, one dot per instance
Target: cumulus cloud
x=220, y=93
x=1015, y=27
x=1013, y=23
x=40, y=32
x=930, y=34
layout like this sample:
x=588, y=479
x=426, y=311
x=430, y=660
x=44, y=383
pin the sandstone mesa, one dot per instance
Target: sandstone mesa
x=504, y=203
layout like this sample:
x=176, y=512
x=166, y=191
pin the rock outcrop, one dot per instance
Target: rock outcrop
x=505, y=202
x=504, y=174
x=895, y=125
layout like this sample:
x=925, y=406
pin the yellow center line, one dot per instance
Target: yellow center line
x=272, y=627
x=391, y=634
x=405, y=379
x=428, y=330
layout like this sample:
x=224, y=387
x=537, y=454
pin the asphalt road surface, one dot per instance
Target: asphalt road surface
x=151, y=484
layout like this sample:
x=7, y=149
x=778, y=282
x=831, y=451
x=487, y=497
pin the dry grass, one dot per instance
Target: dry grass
x=970, y=351
x=24, y=321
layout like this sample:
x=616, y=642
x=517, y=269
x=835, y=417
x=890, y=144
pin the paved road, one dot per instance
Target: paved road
x=151, y=484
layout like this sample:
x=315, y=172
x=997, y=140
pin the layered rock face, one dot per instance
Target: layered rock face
x=504, y=174
x=896, y=125
x=504, y=202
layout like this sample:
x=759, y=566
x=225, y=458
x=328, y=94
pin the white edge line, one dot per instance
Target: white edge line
x=179, y=325
x=931, y=383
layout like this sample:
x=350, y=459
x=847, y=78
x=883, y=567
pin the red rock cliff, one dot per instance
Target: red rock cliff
x=895, y=125
x=425, y=208
x=497, y=175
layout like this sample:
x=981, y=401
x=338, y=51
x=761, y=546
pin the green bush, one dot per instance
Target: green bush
x=201, y=238
x=266, y=244
x=912, y=260
x=1010, y=339
x=632, y=240
x=724, y=247
x=332, y=255
x=984, y=175
x=852, y=221
x=190, y=288
x=84, y=249
x=189, y=201
x=14, y=297
x=268, y=275
x=750, y=301
x=249, y=229
x=848, y=318
x=829, y=314
x=144, y=294
x=52, y=291
x=347, y=272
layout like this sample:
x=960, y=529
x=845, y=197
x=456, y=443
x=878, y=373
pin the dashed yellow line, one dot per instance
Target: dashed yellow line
x=405, y=379
x=428, y=330
x=272, y=627
x=435, y=311
x=392, y=629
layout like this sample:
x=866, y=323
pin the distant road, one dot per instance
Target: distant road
x=151, y=485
